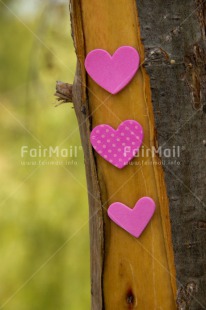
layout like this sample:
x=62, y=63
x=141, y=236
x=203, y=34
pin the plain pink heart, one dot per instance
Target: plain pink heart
x=117, y=146
x=133, y=220
x=112, y=72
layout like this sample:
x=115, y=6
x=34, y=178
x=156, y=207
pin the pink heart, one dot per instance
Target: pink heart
x=133, y=220
x=112, y=72
x=117, y=146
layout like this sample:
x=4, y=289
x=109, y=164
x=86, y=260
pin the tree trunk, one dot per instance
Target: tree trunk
x=129, y=273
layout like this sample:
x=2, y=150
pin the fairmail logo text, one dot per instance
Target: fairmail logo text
x=173, y=152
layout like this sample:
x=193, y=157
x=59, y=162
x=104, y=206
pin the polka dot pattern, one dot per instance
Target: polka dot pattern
x=117, y=146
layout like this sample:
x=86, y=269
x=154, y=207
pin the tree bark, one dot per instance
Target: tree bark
x=175, y=30
x=128, y=273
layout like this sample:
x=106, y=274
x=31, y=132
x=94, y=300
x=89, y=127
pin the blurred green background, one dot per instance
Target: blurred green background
x=44, y=239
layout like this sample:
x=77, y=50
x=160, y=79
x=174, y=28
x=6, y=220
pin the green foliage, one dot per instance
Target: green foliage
x=44, y=241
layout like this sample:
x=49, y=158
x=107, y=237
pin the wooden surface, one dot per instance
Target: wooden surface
x=127, y=273
x=179, y=100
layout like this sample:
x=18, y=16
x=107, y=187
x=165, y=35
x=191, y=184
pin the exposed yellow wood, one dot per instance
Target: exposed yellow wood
x=143, y=267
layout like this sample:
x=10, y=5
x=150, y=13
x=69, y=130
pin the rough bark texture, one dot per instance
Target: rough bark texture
x=173, y=33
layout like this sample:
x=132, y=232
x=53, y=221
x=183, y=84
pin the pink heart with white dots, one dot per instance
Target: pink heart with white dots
x=119, y=146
